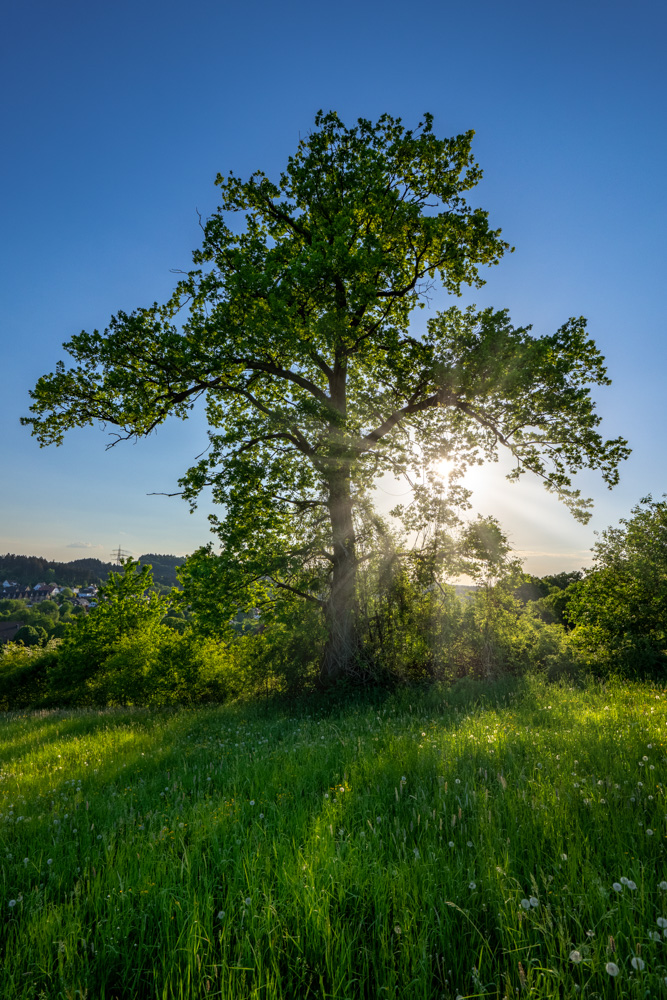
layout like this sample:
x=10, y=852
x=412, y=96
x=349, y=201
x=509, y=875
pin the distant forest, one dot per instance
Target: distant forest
x=30, y=570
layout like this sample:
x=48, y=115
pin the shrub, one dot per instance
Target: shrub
x=24, y=674
x=31, y=635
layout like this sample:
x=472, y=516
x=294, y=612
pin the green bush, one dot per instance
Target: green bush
x=31, y=635
x=24, y=675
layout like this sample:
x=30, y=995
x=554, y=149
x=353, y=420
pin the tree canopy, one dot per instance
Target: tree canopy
x=620, y=607
x=294, y=326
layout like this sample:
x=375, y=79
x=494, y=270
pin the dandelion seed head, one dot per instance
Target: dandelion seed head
x=611, y=968
x=525, y=904
x=637, y=963
x=576, y=957
x=12, y=904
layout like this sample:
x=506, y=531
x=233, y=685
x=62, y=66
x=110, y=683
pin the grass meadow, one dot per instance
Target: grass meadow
x=483, y=841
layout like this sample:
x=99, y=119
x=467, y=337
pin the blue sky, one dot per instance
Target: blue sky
x=117, y=117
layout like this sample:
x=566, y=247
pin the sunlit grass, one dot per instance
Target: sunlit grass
x=431, y=845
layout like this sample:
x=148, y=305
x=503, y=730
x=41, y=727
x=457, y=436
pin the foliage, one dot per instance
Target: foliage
x=24, y=674
x=550, y=594
x=30, y=635
x=168, y=670
x=620, y=607
x=126, y=612
x=295, y=326
x=10, y=608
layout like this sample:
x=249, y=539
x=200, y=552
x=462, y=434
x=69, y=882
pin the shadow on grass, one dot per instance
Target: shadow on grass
x=225, y=853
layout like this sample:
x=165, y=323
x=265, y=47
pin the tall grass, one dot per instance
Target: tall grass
x=445, y=844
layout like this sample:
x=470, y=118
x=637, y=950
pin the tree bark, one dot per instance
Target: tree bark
x=341, y=646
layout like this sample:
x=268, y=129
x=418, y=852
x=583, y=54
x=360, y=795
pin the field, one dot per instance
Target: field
x=482, y=841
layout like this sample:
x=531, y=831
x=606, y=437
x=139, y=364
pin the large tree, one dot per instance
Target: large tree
x=295, y=327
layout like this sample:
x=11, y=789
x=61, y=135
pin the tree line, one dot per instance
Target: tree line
x=28, y=571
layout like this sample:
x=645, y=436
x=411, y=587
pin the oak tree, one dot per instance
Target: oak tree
x=295, y=327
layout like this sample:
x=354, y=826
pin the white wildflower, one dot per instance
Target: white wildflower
x=576, y=957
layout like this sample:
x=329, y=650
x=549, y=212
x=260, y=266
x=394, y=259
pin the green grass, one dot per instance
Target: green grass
x=370, y=851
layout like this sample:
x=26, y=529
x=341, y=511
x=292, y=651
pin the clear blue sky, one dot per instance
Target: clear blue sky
x=117, y=117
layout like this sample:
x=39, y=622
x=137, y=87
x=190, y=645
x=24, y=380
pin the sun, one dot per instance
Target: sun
x=445, y=469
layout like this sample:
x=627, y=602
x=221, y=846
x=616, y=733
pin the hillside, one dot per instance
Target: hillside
x=487, y=840
x=30, y=570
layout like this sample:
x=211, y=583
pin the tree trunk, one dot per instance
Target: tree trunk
x=341, y=646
